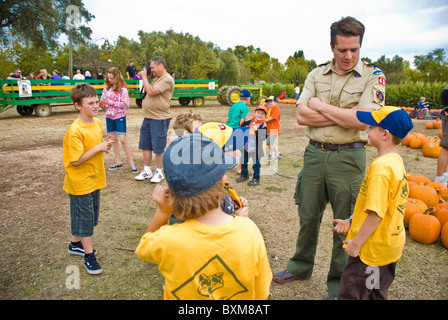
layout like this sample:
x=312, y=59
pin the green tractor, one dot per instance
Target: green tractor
x=228, y=95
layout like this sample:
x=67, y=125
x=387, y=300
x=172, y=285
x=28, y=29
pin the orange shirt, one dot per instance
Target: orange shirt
x=273, y=125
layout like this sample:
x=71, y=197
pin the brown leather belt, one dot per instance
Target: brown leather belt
x=336, y=147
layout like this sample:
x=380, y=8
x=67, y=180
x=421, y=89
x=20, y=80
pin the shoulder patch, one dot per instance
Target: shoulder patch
x=378, y=72
x=323, y=64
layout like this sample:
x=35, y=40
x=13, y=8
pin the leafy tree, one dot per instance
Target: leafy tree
x=393, y=69
x=434, y=65
x=40, y=23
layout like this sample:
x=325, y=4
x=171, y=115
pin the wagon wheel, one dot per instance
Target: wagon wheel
x=221, y=96
x=25, y=110
x=421, y=115
x=43, y=110
x=233, y=95
x=198, y=101
x=184, y=101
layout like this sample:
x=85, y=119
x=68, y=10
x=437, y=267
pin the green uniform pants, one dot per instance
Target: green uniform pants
x=326, y=176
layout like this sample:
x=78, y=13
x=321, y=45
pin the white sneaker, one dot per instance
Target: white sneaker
x=144, y=175
x=158, y=176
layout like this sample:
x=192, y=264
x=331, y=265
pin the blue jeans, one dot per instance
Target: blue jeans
x=256, y=166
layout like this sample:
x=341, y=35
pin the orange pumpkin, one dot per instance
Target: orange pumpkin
x=444, y=235
x=429, y=125
x=421, y=180
x=436, y=124
x=431, y=148
x=427, y=194
x=424, y=228
x=415, y=143
x=438, y=207
x=413, y=206
x=440, y=134
x=406, y=140
x=442, y=215
x=437, y=185
x=443, y=194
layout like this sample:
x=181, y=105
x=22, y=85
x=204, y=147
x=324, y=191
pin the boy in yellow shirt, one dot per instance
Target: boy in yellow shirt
x=83, y=153
x=376, y=234
x=212, y=255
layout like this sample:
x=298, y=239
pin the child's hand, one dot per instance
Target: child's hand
x=342, y=226
x=244, y=210
x=162, y=196
x=351, y=249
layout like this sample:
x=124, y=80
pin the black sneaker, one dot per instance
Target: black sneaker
x=134, y=169
x=115, y=167
x=253, y=182
x=241, y=179
x=77, y=250
x=92, y=266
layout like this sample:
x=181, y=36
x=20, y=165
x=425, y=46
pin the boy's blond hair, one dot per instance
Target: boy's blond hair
x=184, y=122
x=192, y=207
x=81, y=91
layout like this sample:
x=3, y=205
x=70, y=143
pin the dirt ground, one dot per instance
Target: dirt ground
x=35, y=223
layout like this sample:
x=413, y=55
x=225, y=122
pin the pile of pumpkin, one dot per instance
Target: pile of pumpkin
x=288, y=101
x=428, y=144
x=426, y=215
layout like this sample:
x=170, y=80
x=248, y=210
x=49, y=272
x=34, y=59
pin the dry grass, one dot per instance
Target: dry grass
x=35, y=225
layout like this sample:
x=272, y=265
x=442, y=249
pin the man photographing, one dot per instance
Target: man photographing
x=157, y=117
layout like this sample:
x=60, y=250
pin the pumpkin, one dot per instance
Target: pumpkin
x=415, y=143
x=444, y=235
x=424, y=227
x=442, y=215
x=436, y=124
x=443, y=194
x=413, y=206
x=429, y=125
x=421, y=180
x=438, y=207
x=431, y=149
x=406, y=140
x=440, y=134
x=427, y=194
x=437, y=185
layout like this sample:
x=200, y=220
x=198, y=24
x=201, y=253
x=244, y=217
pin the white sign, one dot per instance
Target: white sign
x=211, y=86
x=24, y=88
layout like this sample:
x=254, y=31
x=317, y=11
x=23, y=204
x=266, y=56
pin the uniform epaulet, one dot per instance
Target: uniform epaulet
x=323, y=64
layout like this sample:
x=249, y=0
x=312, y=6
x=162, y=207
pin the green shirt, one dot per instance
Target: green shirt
x=237, y=112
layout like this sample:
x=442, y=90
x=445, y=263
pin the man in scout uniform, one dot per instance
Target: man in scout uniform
x=335, y=159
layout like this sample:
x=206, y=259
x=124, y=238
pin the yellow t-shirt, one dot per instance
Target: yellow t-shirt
x=91, y=175
x=199, y=261
x=385, y=191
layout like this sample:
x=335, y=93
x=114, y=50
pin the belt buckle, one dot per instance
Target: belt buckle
x=322, y=146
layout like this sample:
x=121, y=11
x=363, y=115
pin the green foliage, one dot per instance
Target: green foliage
x=408, y=94
x=40, y=22
x=276, y=89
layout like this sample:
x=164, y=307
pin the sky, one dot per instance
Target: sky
x=281, y=27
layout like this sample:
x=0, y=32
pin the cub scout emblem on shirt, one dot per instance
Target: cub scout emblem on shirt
x=214, y=280
x=379, y=96
x=382, y=81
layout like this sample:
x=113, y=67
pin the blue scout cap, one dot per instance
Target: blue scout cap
x=194, y=163
x=394, y=119
x=245, y=94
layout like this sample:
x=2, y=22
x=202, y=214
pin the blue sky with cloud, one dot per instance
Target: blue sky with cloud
x=393, y=27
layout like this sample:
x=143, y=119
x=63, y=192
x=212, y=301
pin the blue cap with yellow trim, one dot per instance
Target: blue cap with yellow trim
x=394, y=119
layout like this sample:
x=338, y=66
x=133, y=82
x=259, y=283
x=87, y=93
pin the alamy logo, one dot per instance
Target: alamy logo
x=73, y=21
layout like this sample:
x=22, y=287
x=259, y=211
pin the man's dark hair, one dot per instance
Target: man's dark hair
x=158, y=60
x=346, y=27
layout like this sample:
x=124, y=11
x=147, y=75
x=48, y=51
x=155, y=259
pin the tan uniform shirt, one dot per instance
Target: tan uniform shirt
x=364, y=85
x=158, y=107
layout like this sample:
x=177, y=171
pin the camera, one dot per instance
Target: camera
x=148, y=70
